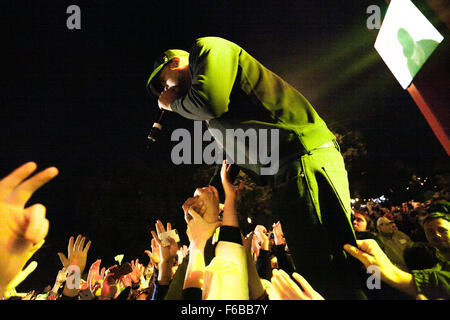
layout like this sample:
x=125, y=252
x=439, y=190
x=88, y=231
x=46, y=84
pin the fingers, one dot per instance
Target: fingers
x=8, y=183
x=63, y=259
x=188, y=203
x=155, y=245
x=77, y=243
x=155, y=237
x=23, y=192
x=303, y=283
x=70, y=246
x=81, y=244
x=214, y=190
x=286, y=288
x=159, y=227
x=190, y=214
x=86, y=249
x=37, y=227
x=357, y=253
x=29, y=269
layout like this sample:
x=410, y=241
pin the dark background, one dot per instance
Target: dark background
x=76, y=99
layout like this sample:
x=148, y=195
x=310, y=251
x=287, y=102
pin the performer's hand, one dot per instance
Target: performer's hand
x=22, y=230
x=231, y=191
x=167, y=97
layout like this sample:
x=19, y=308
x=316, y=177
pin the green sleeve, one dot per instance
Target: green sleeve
x=213, y=63
x=433, y=283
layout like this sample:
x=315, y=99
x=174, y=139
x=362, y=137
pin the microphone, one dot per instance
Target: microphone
x=156, y=128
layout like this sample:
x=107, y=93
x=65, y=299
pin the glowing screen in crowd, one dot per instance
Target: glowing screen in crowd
x=406, y=40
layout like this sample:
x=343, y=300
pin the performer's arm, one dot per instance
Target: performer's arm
x=214, y=63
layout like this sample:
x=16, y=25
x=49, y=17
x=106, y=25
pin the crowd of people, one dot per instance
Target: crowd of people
x=408, y=245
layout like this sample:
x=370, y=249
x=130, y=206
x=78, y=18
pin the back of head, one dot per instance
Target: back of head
x=438, y=211
x=420, y=256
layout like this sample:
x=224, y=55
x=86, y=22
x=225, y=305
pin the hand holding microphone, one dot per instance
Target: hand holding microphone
x=167, y=97
x=164, y=101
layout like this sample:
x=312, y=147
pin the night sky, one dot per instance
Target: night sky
x=76, y=99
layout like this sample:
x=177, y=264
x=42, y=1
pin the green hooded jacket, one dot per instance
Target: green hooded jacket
x=231, y=89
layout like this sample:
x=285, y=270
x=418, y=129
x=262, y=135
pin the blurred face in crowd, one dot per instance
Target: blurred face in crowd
x=437, y=231
x=359, y=222
x=387, y=227
x=210, y=198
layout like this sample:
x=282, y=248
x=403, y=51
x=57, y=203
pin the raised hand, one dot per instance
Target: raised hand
x=154, y=256
x=200, y=230
x=278, y=234
x=77, y=253
x=287, y=289
x=196, y=203
x=109, y=288
x=256, y=246
x=20, y=228
x=95, y=276
x=168, y=252
x=262, y=236
x=136, y=274
x=182, y=253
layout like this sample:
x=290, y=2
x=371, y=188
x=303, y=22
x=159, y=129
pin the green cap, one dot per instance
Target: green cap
x=160, y=62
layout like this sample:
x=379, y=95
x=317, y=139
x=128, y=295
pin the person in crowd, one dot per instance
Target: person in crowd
x=437, y=226
x=238, y=267
x=75, y=263
x=364, y=227
x=167, y=258
x=226, y=277
x=394, y=241
x=418, y=284
x=265, y=253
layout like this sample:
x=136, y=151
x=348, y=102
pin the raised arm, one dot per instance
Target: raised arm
x=200, y=231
